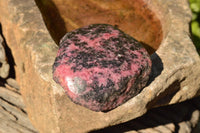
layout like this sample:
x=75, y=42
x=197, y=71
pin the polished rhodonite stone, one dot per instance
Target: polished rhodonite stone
x=100, y=67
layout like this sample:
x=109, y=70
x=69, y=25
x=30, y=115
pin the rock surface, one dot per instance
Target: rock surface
x=182, y=118
x=13, y=115
x=101, y=67
x=4, y=66
x=175, y=75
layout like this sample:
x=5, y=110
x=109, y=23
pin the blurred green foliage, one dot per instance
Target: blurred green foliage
x=195, y=24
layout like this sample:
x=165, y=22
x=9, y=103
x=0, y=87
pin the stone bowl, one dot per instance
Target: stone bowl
x=33, y=29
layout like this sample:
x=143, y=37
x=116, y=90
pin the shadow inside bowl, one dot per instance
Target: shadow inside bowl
x=131, y=16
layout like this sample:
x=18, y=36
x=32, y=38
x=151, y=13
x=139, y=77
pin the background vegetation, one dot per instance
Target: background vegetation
x=195, y=24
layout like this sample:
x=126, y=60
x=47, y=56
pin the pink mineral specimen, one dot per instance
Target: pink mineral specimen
x=100, y=67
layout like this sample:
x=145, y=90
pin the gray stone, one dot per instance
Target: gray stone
x=12, y=97
x=13, y=83
x=4, y=66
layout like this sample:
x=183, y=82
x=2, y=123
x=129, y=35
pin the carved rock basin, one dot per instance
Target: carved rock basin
x=32, y=31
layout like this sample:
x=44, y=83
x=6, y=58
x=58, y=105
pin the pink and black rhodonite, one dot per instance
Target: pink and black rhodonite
x=100, y=67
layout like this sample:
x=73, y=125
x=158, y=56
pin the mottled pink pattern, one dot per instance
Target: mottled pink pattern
x=100, y=67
